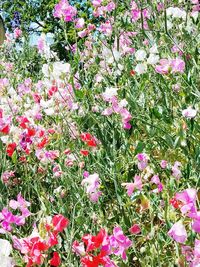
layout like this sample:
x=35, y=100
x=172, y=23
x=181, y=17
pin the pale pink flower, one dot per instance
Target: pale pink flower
x=17, y=33
x=130, y=187
x=178, y=232
x=189, y=113
x=80, y=23
x=188, y=198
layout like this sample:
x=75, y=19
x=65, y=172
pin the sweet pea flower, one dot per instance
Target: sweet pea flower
x=64, y=10
x=17, y=33
x=80, y=23
x=188, y=199
x=92, y=184
x=142, y=161
x=5, y=251
x=119, y=242
x=178, y=232
x=189, y=113
x=135, y=229
x=176, y=171
x=163, y=164
x=140, y=55
x=130, y=187
x=141, y=68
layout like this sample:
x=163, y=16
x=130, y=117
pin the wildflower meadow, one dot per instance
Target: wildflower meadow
x=100, y=133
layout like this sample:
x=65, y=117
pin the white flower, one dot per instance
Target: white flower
x=5, y=250
x=140, y=55
x=59, y=68
x=109, y=93
x=45, y=70
x=189, y=113
x=141, y=68
x=154, y=49
x=49, y=111
x=153, y=59
x=176, y=12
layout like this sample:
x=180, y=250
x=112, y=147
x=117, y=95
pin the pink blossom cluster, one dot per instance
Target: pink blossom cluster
x=118, y=107
x=8, y=219
x=64, y=10
x=186, y=202
x=100, y=9
x=167, y=66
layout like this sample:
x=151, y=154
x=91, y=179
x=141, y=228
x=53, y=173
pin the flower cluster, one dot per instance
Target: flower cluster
x=96, y=250
x=35, y=248
x=8, y=219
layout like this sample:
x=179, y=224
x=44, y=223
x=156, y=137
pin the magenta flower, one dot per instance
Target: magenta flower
x=119, y=242
x=178, y=232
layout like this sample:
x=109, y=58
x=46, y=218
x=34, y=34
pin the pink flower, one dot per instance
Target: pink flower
x=196, y=226
x=119, y=242
x=64, y=10
x=92, y=184
x=189, y=113
x=164, y=66
x=110, y=6
x=130, y=187
x=17, y=33
x=178, y=232
x=156, y=180
x=78, y=248
x=96, y=3
x=188, y=199
x=176, y=171
x=163, y=164
x=173, y=65
x=80, y=23
x=177, y=65
x=142, y=161
x=106, y=28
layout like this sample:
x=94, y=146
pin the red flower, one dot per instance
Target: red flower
x=84, y=152
x=23, y=121
x=135, y=229
x=175, y=203
x=10, y=149
x=59, y=222
x=55, y=261
x=43, y=143
x=31, y=132
x=93, y=261
x=89, y=139
x=52, y=91
x=94, y=242
x=132, y=72
x=85, y=137
x=5, y=129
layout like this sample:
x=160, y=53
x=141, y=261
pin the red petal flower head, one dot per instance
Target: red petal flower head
x=55, y=261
